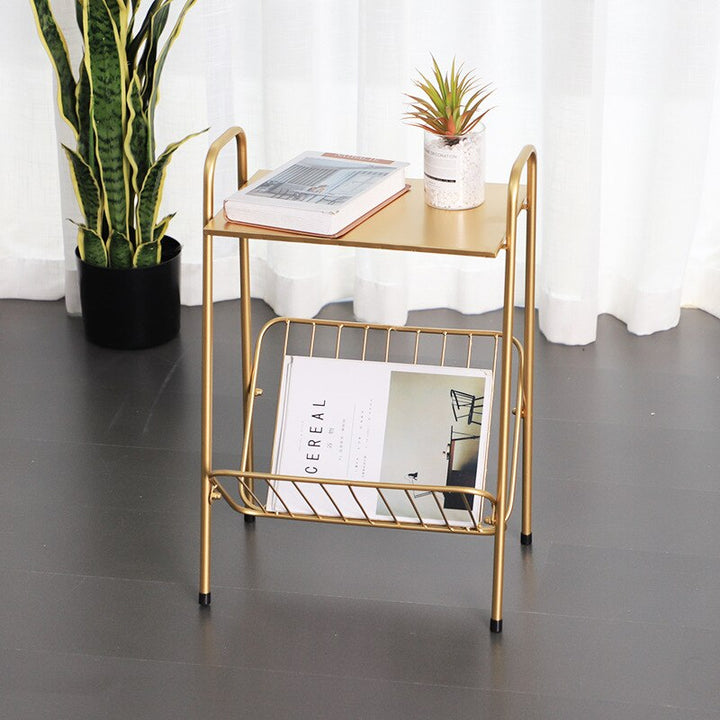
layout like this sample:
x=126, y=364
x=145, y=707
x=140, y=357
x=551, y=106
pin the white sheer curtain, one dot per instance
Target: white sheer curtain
x=621, y=99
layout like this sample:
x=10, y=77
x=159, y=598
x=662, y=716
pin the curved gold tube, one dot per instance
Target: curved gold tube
x=526, y=158
x=207, y=343
x=238, y=134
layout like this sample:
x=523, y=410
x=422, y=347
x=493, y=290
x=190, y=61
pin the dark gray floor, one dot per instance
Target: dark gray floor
x=613, y=613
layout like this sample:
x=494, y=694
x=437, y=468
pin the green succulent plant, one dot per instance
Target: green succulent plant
x=453, y=102
x=110, y=106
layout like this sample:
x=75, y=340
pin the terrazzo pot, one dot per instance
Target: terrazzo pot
x=454, y=170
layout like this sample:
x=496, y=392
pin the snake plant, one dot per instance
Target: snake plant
x=110, y=105
x=453, y=102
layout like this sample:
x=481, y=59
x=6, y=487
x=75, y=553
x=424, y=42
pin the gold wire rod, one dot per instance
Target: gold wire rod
x=271, y=489
x=312, y=339
x=495, y=354
x=359, y=504
x=304, y=497
x=417, y=348
x=257, y=503
x=420, y=518
x=332, y=500
x=287, y=338
x=469, y=352
x=365, y=342
x=469, y=509
x=387, y=506
x=519, y=421
x=249, y=397
x=444, y=349
x=338, y=335
x=440, y=508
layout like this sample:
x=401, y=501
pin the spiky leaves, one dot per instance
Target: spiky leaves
x=163, y=56
x=153, y=59
x=149, y=203
x=110, y=106
x=107, y=69
x=452, y=103
x=56, y=47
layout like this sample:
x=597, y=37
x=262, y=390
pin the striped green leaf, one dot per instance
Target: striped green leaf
x=119, y=250
x=86, y=188
x=136, y=142
x=135, y=43
x=147, y=255
x=161, y=228
x=54, y=42
x=147, y=66
x=107, y=70
x=163, y=57
x=149, y=199
x=117, y=10
x=86, y=132
x=91, y=247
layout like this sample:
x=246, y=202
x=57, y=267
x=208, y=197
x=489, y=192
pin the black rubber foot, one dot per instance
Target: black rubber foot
x=525, y=539
x=495, y=626
x=249, y=519
x=205, y=599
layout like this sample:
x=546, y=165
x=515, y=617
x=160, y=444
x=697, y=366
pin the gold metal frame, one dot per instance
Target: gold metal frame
x=406, y=224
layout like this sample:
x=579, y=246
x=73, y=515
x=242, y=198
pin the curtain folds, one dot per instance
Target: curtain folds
x=622, y=101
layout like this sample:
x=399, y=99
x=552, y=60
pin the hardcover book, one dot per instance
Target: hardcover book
x=318, y=194
x=367, y=421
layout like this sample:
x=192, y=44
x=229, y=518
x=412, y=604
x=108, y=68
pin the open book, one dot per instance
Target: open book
x=318, y=194
x=368, y=421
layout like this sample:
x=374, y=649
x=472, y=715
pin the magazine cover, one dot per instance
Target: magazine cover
x=317, y=193
x=322, y=181
x=381, y=422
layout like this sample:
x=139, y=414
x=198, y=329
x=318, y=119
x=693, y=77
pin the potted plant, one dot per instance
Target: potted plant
x=450, y=112
x=128, y=266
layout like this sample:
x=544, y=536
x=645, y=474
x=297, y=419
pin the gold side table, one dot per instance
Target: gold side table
x=406, y=224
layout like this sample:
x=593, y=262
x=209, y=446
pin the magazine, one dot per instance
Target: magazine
x=318, y=193
x=385, y=422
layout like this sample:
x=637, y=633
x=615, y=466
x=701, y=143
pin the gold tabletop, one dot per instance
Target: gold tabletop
x=406, y=224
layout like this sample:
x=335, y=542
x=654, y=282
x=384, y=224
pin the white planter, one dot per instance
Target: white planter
x=455, y=170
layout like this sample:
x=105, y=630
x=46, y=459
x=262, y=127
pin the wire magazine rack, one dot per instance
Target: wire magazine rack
x=372, y=343
x=253, y=490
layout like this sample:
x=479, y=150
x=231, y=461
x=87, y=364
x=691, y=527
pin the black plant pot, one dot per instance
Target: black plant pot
x=132, y=309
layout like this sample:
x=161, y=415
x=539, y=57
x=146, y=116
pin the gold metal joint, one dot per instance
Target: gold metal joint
x=214, y=494
x=258, y=392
